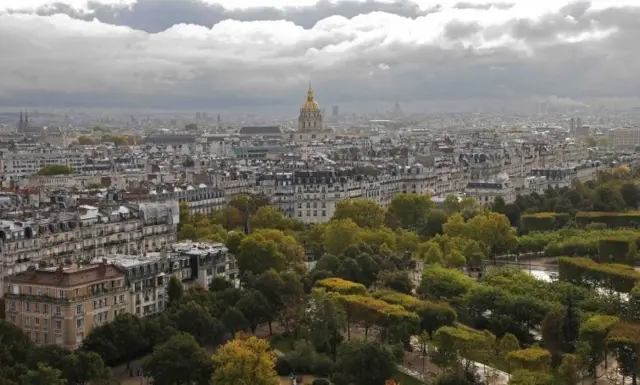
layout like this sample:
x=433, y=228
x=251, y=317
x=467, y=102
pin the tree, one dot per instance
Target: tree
x=455, y=226
x=397, y=280
x=245, y=360
x=439, y=283
x=220, y=283
x=409, y=211
x=340, y=234
x=363, y=212
x=526, y=377
x=455, y=259
x=327, y=321
x=363, y=363
x=128, y=336
x=175, y=291
x=234, y=321
x=179, y=361
x=55, y=169
x=494, y=231
x=508, y=343
x=196, y=320
x=255, y=308
x=268, y=217
x=570, y=369
x=435, y=223
x=43, y=375
x=268, y=249
x=630, y=194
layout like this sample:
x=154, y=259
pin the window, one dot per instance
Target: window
x=28, y=306
x=57, y=325
x=12, y=305
x=80, y=323
x=45, y=308
x=27, y=321
x=37, y=321
x=60, y=293
x=35, y=307
x=80, y=309
x=57, y=310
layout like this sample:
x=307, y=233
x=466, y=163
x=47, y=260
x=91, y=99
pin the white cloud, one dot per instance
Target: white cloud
x=270, y=61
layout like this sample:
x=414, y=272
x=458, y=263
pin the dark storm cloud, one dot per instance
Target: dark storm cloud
x=158, y=15
x=456, y=54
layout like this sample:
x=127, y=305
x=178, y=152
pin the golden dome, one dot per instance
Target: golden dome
x=310, y=104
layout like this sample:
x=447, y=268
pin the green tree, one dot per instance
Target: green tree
x=196, y=320
x=363, y=212
x=43, y=375
x=327, y=321
x=234, y=321
x=255, y=308
x=409, y=211
x=179, y=361
x=494, y=231
x=455, y=226
x=570, y=369
x=55, y=169
x=508, y=343
x=340, y=235
x=397, y=280
x=363, y=363
x=175, y=291
x=439, y=283
x=268, y=249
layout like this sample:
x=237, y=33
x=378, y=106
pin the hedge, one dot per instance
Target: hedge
x=342, y=286
x=534, y=358
x=432, y=314
x=629, y=219
x=617, y=250
x=586, y=272
x=544, y=221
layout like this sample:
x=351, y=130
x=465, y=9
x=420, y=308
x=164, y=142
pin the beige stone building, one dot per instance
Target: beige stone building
x=62, y=305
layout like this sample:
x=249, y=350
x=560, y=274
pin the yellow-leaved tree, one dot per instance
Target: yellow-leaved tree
x=245, y=360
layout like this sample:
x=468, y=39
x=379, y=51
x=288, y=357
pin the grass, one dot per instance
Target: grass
x=405, y=379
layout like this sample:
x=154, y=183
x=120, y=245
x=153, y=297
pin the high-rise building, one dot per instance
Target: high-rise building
x=335, y=111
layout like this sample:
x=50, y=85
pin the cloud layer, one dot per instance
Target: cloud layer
x=192, y=54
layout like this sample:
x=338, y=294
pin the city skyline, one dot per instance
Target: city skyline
x=187, y=54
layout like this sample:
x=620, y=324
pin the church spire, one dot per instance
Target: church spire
x=21, y=123
x=26, y=120
x=310, y=93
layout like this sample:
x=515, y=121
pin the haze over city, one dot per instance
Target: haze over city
x=186, y=54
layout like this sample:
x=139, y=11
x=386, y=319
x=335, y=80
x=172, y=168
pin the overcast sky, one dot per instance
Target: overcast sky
x=197, y=54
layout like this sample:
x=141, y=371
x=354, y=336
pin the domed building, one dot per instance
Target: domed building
x=310, y=126
x=310, y=118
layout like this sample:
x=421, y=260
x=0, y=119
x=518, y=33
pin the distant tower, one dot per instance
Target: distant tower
x=397, y=111
x=219, y=120
x=335, y=111
x=21, y=123
x=26, y=120
x=310, y=118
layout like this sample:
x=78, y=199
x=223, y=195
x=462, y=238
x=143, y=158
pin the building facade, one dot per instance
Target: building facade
x=62, y=305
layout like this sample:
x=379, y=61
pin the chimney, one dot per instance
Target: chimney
x=103, y=267
x=59, y=273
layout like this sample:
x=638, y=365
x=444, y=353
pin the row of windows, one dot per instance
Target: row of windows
x=315, y=213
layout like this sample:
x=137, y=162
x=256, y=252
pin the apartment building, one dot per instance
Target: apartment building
x=61, y=305
x=206, y=260
x=23, y=165
x=85, y=233
x=621, y=138
x=146, y=279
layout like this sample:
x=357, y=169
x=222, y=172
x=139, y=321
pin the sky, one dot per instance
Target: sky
x=250, y=53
